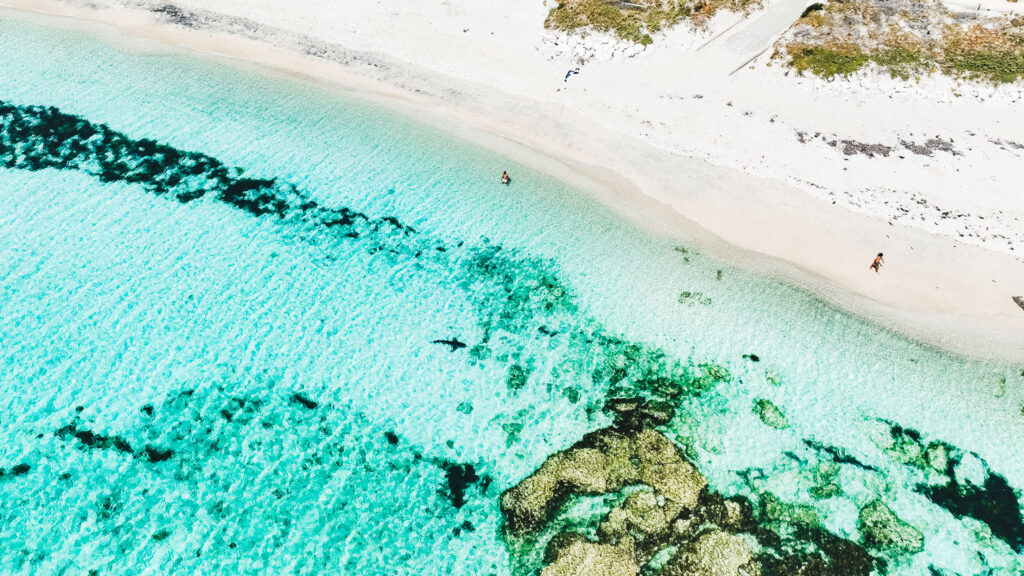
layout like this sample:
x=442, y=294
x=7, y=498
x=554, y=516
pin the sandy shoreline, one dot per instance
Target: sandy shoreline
x=948, y=289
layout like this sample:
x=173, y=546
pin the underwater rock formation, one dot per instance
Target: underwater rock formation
x=813, y=552
x=714, y=553
x=883, y=530
x=604, y=461
x=663, y=519
x=770, y=414
x=573, y=555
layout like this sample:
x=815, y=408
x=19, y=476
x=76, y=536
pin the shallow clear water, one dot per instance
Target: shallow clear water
x=209, y=383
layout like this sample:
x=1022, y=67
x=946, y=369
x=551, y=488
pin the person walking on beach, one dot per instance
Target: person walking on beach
x=877, y=264
x=505, y=178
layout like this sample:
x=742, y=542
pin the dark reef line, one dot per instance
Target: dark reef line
x=39, y=138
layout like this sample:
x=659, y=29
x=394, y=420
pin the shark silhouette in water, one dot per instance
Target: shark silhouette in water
x=455, y=343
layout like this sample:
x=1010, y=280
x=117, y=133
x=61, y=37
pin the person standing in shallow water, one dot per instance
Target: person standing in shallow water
x=505, y=178
x=877, y=264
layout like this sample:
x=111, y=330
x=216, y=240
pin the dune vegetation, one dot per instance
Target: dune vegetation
x=637, y=20
x=907, y=39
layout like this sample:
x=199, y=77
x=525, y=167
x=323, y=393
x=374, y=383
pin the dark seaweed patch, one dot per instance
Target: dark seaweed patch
x=255, y=197
x=898, y=431
x=794, y=457
x=38, y=138
x=90, y=439
x=995, y=504
x=175, y=15
x=241, y=410
x=516, y=378
x=304, y=401
x=391, y=437
x=466, y=526
x=837, y=454
x=16, y=470
x=460, y=477
x=155, y=454
x=547, y=331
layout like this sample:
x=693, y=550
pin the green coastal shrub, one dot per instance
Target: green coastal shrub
x=901, y=62
x=827, y=62
x=625, y=23
x=636, y=20
x=997, y=67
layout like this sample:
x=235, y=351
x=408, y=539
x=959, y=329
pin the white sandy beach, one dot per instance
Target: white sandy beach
x=796, y=177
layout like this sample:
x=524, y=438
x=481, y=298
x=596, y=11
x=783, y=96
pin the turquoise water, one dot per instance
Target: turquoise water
x=219, y=296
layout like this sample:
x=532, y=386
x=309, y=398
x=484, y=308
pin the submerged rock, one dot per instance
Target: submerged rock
x=645, y=525
x=604, y=461
x=573, y=555
x=640, y=413
x=642, y=517
x=665, y=520
x=774, y=510
x=770, y=414
x=714, y=553
x=815, y=552
x=901, y=444
x=826, y=481
x=884, y=531
x=937, y=456
x=516, y=378
x=843, y=557
x=734, y=514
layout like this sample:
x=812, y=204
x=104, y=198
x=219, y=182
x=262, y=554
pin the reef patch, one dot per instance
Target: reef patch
x=957, y=480
x=663, y=518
